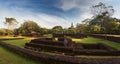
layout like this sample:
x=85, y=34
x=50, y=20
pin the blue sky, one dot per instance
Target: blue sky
x=49, y=13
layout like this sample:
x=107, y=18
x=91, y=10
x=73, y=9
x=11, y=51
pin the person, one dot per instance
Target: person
x=65, y=41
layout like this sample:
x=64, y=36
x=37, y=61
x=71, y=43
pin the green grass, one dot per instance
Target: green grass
x=7, y=57
x=47, y=35
x=97, y=40
x=19, y=43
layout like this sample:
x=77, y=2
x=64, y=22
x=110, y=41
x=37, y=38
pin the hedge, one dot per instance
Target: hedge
x=78, y=49
x=59, y=59
x=111, y=38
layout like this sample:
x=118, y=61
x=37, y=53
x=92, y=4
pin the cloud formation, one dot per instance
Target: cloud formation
x=84, y=7
x=49, y=13
x=22, y=14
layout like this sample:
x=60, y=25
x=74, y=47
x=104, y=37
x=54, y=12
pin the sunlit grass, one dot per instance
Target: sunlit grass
x=20, y=43
x=47, y=35
x=7, y=57
x=97, y=40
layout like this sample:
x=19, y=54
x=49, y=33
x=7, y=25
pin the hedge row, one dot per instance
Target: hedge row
x=103, y=50
x=59, y=59
x=98, y=46
x=111, y=38
x=48, y=42
x=72, y=35
x=48, y=47
x=96, y=49
x=81, y=49
x=1, y=39
x=50, y=59
x=45, y=39
x=60, y=42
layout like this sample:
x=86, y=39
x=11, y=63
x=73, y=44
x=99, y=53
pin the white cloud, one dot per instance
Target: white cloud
x=68, y=4
x=21, y=14
x=79, y=4
x=83, y=6
x=51, y=20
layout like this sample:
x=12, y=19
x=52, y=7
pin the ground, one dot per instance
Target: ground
x=7, y=57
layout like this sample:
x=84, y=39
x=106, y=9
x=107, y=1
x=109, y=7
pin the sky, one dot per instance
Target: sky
x=49, y=13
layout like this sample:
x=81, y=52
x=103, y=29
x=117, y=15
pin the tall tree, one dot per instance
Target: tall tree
x=11, y=23
x=101, y=15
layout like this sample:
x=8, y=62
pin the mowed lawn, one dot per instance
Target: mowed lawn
x=8, y=57
x=20, y=42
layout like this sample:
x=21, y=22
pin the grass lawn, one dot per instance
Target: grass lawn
x=20, y=42
x=7, y=57
x=97, y=40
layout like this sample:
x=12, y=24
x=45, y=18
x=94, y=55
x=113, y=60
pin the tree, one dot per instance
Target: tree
x=29, y=27
x=95, y=29
x=57, y=29
x=71, y=31
x=44, y=30
x=102, y=10
x=11, y=23
x=101, y=16
x=112, y=25
x=81, y=28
